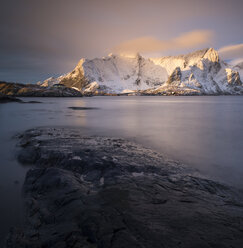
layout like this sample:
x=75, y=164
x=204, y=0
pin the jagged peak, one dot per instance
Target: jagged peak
x=212, y=55
x=80, y=63
x=195, y=54
x=206, y=53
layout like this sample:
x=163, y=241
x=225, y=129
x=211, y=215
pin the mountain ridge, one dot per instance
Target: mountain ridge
x=199, y=72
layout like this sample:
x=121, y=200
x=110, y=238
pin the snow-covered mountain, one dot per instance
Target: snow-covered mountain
x=200, y=72
x=239, y=67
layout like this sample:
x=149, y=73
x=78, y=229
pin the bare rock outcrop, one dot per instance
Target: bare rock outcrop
x=107, y=192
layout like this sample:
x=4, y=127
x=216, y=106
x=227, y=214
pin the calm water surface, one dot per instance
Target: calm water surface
x=204, y=132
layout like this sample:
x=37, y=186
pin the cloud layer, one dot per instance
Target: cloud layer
x=231, y=51
x=44, y=38
x=189, y=40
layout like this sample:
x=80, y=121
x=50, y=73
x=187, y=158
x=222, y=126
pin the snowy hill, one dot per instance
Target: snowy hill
x=200, y=72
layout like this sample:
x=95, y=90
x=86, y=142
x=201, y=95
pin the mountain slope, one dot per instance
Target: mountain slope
x=239, y=67
x=200, y=72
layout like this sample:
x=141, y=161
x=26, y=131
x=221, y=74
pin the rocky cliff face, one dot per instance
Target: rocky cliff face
x=200, y=72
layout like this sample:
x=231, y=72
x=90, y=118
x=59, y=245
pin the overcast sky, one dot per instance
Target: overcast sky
x=48, y=37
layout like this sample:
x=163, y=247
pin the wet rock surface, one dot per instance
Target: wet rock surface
x=107, y=192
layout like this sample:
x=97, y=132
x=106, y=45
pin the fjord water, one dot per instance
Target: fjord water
x=205, y=132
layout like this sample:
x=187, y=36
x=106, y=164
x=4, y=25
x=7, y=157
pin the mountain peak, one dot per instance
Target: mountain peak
x=212, y=55
x=80, y=63
x=201, y=71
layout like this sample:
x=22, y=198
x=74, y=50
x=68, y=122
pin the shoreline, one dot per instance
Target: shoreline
x=106, y=192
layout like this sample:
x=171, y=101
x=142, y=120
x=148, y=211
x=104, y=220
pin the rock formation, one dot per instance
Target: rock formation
x=107, y=192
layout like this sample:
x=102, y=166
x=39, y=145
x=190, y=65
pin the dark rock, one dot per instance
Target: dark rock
x=32, y=102
x=34, y=90
x=107, y=192
x=82, y=108
x=28, y=155
x=6, y=99
x=233, y=78
x=175, y=76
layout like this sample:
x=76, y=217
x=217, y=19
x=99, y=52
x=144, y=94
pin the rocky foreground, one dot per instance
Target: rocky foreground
x=108, y=192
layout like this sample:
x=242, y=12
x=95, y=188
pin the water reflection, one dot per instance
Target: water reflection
x=204, y=132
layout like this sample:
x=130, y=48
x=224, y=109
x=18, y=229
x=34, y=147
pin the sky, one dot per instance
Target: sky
x=47, y=38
